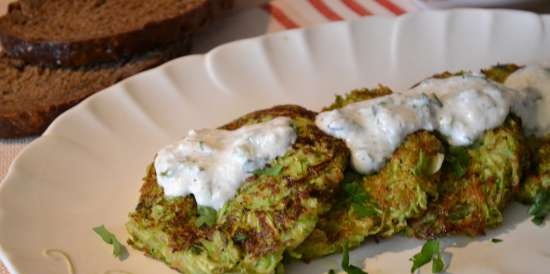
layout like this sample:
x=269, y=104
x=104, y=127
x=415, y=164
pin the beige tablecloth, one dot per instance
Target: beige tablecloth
x=280, y=15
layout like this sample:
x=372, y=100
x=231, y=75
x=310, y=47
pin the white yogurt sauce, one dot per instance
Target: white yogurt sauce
x=374, y=129
x=461, y=108
x=469, y=106
x=211, y=164
x=534, y=84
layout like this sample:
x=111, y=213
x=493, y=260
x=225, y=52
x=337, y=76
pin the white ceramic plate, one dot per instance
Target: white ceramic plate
x=87, y=168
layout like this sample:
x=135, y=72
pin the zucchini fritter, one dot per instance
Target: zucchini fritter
x=477, y=183
x=270, y=213
x=538, y=173
x=381, y=203
x=466, y=196
x=400, y=191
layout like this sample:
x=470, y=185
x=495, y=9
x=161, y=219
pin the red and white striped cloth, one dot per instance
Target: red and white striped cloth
x=266, y=16
x=281, y=15
x=290, y=14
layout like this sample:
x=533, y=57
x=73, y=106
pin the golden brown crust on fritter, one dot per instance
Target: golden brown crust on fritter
x=357, y=95
x=291, y=111
x=474, y=200
x=500, y=72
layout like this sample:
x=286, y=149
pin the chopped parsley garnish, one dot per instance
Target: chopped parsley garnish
x=433, y=97
x=541, y=207
x=458, y=160
x=361, y=202
x=164, y=173
x=430, y=252
x=496, y=240
x=270, y=171
x=119, y=250
x=350, y=269
x=437, y=100
x=207, y=216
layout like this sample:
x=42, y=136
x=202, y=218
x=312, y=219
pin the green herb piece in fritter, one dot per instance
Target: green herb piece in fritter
x=541, y=207
x=459, y=212
x=364, y=211
x=430, y=252
x=207, y=216
x=361, y=202
x=496, y=240
x=270, y=171
x=458, y=160
x=119, y=250
x=240, y=237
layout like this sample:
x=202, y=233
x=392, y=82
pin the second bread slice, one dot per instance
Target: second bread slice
x=32, y=96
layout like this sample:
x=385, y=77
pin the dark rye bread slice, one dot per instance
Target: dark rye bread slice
x=32, y=96
x=81, y=32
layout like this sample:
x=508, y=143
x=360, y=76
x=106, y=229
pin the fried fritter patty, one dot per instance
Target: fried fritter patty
x=538, y=173
x=271, y=212
x=378, y=204
x=477, y=183
x=381, y=203
x=466, y=196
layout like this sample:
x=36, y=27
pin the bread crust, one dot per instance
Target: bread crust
x=108, y=48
